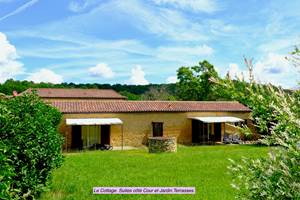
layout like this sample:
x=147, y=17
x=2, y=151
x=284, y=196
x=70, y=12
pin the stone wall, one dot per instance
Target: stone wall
x=162, y=144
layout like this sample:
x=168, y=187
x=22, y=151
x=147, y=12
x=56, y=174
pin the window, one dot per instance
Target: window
x=157, y=128
x=90, y=135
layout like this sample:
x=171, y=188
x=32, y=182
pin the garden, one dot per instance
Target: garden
x=32, y=164
x=203, y=167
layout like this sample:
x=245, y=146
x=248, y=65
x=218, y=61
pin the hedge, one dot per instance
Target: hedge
x=30, y=146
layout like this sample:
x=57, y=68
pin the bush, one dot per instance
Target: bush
x=246, y=133
x=278, y=176
x=30, y=146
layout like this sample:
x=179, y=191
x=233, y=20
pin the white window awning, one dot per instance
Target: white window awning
x=217, y=119
x=94, y=121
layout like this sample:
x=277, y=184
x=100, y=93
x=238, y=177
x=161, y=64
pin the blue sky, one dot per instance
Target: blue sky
x=140, y=42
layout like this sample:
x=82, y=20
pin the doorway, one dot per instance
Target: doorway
x=76, y=137
x=195, y=131
x=200, y=133
x=204, y=133
x=105, y=134
x=218, y=135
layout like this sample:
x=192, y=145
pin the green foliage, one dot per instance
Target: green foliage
x=130, y=96
x=2, y=96
x=278, y=176
x=294, y=57
x=246, y=132
x=296, y=96
x=132, y=92
x=158, y=94
x=259, y=98
x=10, y=85
x=277, y=113
x=194, y=82
x=30, y=146
x=296, y=51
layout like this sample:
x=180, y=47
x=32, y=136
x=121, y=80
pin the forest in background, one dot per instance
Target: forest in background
x=132, y=92
x=194, y=83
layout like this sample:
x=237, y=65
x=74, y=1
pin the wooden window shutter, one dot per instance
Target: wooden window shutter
x=157, y=128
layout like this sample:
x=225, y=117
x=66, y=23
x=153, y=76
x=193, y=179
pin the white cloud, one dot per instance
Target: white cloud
x=172, y=79
x=79, y=6
x=138, y=76
x=19, y=9
x=46, y=76
x=273, y=64
x=101, y=70
x=9, y=66
x=163, y=22
x=235, y=72
x=184, y=52
x=8, y=51
x=220, y=28
x=86, y=49
x=207, y=6
x=279, y=44
x=75, y=6
x=273, y=68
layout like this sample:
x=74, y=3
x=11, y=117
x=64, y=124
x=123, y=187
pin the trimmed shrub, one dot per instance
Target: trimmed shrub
x=30, y=146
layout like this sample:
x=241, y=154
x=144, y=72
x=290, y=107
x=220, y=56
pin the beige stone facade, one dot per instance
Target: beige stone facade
x=137, y=127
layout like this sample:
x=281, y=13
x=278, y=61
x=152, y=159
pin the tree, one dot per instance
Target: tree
x=294, y=57
x=278, y=175
x=30, y=146
x=11, y=85
x=133, y=92
x=258, y=97
x=158, y=94
x=2, y=96
x=194, y=82
x=130, y=96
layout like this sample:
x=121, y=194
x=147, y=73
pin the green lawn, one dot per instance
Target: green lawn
x=203, y=167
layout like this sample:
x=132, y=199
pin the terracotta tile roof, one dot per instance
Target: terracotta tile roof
x=148, y=106
x=77, y=93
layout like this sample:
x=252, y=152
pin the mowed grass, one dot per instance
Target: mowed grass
x=203, y=167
